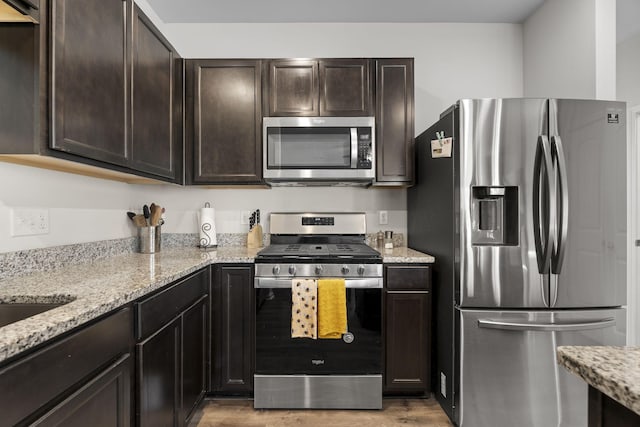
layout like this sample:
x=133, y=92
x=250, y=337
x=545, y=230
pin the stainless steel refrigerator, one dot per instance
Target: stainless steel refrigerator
x=526, y=218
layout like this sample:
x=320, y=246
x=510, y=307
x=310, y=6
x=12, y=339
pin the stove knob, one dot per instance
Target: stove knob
x=292, y=269
x=318, y=269
x=345, y=269
x=361, y=270
x=276, y=269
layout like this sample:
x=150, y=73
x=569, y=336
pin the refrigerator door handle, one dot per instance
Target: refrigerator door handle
x=563, y=211
x=542, y=233
x=547, y=327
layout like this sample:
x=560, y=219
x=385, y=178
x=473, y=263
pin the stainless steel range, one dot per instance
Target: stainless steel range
x=318, y=373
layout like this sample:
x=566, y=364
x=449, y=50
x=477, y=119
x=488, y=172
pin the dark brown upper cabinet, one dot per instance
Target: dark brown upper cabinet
x=156, y=141
x=345, y=87
x=293, y=87
x=323, y=87
x=224, y=117
x=100, y=93
x=90, y=87
x=394, y=122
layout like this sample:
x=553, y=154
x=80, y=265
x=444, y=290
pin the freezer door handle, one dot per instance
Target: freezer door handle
x=547, y=327
x=542, y=200
x=563, y=210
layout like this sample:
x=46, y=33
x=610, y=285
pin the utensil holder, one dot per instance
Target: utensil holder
x=254, y=237
x=149, y=238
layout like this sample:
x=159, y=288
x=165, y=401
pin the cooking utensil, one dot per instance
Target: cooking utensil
x=258, y=216
x=146, y=213
x=131, y=215
x=156, y=214
x=252, y=220
x=139, y=220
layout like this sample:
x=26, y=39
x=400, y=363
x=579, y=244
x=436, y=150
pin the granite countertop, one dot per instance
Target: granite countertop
x=95, y=288
x=404, y=255
x=615, y=371
x=91, y=289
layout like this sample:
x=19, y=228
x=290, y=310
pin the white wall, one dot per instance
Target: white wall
x=628, y=89
x=628, y=71
x=569, y=50
x=81, y=209
x=451, y=61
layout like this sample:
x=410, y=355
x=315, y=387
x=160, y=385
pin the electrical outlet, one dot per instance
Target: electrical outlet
x=29, y=222
x=244, y=217
x=383, y=217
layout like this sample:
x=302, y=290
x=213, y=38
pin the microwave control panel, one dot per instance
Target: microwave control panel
x=364, y=148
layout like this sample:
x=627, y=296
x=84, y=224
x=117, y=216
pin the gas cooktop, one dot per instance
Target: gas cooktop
x=339, y=250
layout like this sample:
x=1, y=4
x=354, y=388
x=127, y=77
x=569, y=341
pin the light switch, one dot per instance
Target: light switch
x=383, y=217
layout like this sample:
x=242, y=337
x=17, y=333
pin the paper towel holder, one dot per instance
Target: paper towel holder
x=207, y=230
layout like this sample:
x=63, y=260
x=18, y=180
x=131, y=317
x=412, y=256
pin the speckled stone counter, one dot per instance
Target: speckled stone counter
x=90, y=289
x=615, y=371
x=95, y=288
x=404, y=255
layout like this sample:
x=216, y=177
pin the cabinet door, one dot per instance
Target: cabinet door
x=90, y=86
x=233, y=330
x=104, y=401
x=159, y=377
x=224, y=109
x=293, y=87
x=195, y=350
x=408, y=326
x=394, y=121
x=345, y=87
x=156, y=140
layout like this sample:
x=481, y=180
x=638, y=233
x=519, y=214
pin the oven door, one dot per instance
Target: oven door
x=358, y=353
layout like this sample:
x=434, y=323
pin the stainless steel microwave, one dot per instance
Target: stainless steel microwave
x=307, y=149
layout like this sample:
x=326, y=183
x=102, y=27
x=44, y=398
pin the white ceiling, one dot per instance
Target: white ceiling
x=281, y=11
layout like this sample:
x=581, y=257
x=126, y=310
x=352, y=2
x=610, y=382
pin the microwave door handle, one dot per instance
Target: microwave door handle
x=354, y=148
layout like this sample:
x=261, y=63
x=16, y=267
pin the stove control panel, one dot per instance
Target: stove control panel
x=287, y=271
x=318, y=220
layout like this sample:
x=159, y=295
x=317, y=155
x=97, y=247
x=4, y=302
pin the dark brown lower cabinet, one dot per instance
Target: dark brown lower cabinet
x=233, y=313
x=604, y=411
x=159, y=363
x=81, y=379
x=104, y=401
x=195, y=353
x=407, y=330
x=173, y=358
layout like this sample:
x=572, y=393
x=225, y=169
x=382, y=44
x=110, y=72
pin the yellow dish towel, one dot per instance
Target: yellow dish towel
x=332, y=308
x=304, y=314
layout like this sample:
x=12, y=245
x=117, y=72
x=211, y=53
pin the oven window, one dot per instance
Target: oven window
x=279, y=354
x=309, y=148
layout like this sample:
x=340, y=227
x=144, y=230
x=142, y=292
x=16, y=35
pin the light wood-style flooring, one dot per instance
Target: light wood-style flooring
x=395, y=412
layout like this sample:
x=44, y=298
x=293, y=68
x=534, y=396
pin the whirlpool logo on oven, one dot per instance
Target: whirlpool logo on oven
x=317, y=362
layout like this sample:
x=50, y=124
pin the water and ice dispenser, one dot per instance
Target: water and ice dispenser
x=494, y=216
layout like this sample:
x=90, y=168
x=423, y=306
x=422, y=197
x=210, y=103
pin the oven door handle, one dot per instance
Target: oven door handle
x=272, y=283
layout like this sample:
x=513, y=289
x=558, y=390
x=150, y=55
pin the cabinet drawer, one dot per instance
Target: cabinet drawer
x=404, y=277
x=29, y=384
x=157, y=310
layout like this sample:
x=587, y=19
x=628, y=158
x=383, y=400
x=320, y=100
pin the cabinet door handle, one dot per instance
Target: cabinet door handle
x=407, y=292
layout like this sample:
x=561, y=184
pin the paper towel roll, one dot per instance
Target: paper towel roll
x=206, y=219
